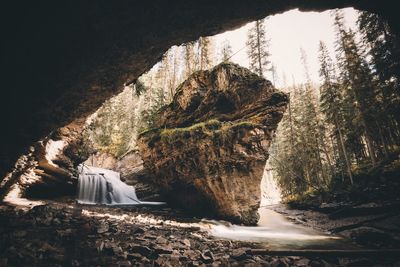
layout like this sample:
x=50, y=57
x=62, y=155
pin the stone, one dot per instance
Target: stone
x=163, y=249
x=137, y=230
x=302, y=262
x=316, y=263
x=207, y=256
x=161, y=240
x=143, y=250
x=20, y=234
x=3, y=261
x=280, y=262
x=124, y=263
x=209, y=147
x=186, y=242
x=371, y=236
x=102, y=228
x=133, y=256
x=239, y=254
x=190, y=254
x=117, y=250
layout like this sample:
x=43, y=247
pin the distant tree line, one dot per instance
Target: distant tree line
x=349, y=122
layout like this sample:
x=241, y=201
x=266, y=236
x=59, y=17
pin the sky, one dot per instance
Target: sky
x=288, y=32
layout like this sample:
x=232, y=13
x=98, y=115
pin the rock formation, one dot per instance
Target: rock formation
x=48, y=170
x=210, y=145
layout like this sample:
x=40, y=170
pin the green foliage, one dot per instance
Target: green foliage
x=335, y=141
x=112, y=127
x=257, y=48
x=210, y=125
x=221, y=132
x=297, y=155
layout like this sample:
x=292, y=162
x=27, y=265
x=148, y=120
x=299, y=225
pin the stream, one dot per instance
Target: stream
x=275, y=231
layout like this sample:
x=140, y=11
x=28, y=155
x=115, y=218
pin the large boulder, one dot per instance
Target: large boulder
x=210, y=145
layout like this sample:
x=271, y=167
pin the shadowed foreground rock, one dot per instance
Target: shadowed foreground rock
x=210, y=145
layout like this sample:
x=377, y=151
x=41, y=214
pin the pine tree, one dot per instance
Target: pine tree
x=384, y=49
x=226, y=51
x=189, y=59
x=257, y=46
x=205, y=51
x=331, y=105
x=274, y=74
x=358, y=88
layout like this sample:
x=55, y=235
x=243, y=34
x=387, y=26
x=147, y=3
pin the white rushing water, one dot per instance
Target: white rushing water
x=102, y=186
x=276, y=232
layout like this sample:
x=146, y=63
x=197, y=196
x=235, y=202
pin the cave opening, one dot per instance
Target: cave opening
x=331, y=137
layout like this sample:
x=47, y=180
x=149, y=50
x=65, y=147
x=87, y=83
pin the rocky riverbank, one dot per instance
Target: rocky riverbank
x=65, y=234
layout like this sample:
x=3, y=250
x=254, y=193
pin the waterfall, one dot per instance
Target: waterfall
x=102, y=186
x=270, y=191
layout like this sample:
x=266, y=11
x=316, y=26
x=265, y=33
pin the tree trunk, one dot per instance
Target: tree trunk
x=370, y=148
x=344, y=152
x=259, y=48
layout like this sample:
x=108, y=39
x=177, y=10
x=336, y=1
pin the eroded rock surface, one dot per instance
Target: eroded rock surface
x=49, y=168
x=210, y=145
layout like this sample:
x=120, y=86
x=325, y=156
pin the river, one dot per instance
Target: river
x=275, y=231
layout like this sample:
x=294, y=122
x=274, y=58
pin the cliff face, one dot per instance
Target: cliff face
x=211, y=143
